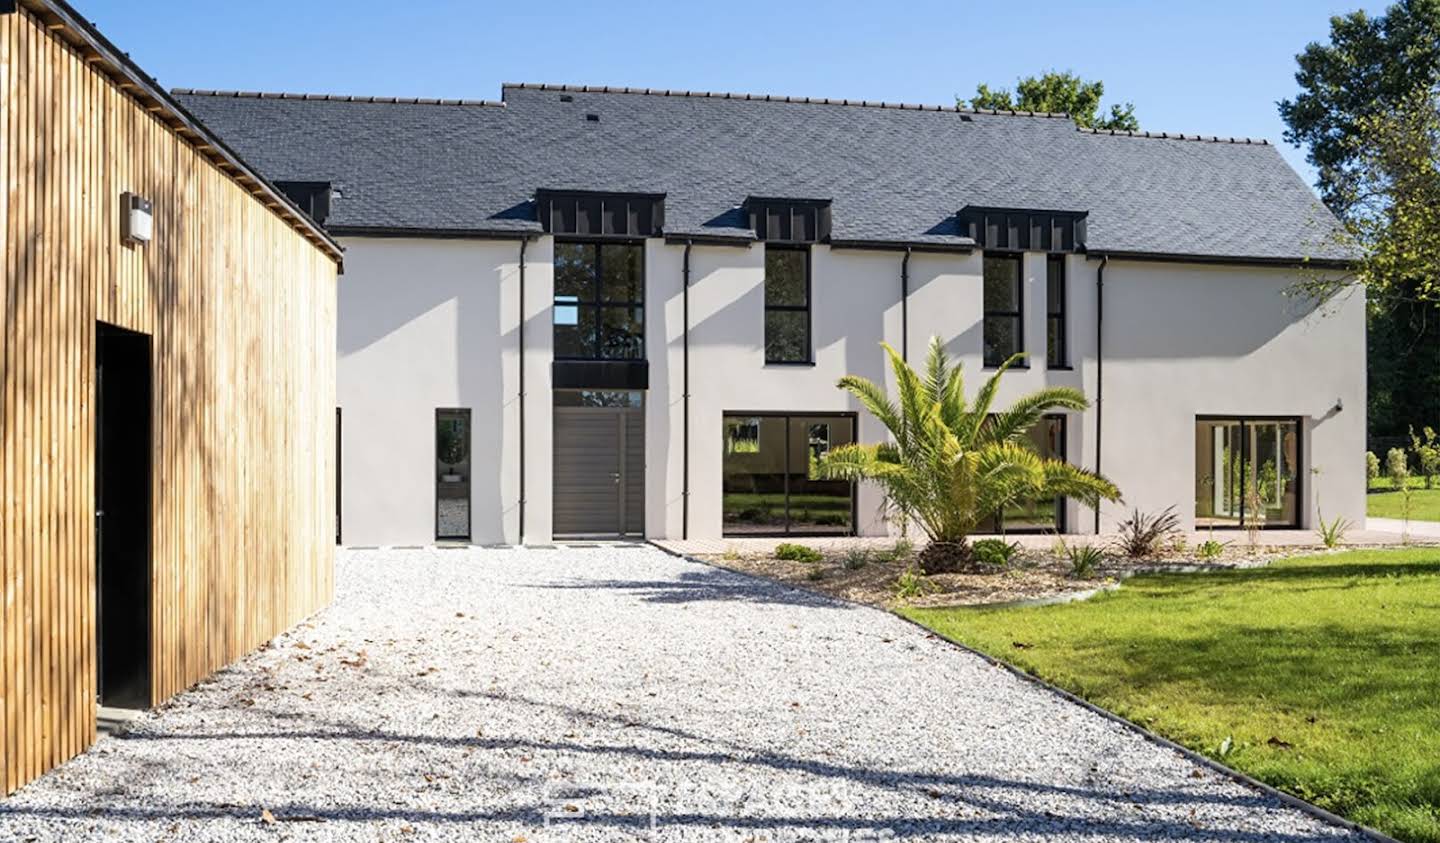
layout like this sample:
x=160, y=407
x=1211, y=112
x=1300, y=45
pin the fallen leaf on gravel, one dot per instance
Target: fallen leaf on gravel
x=266, y=816
x=301, y=645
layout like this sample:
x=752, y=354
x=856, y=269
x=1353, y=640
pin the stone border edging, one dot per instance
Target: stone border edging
x=1234, y=775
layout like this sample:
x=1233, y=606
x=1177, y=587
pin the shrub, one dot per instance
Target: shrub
x=1141, y=535
x=1372, y=466
x=1427, y=455
x=1332, y=532
x=1084, y=559
x=996, y=553
x=855, y=558
x=1210, y=550
x=1397, y=468
x=797, y=553
x=901, y=551
x=912, y=584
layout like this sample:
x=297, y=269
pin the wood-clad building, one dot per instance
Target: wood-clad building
x=167, y=428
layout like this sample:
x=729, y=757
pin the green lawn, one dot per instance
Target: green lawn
x=1384, y=501
x=1323, y=672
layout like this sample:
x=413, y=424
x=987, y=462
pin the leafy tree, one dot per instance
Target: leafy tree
x=1060, y=92
x=1369, y=67
x=954, y=463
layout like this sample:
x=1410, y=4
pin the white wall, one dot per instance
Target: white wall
x=431, y=323
x=426, y=324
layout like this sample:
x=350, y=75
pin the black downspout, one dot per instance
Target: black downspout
x=521, y=397
x=685, y=399
x=1099, y=369
x=905, y=307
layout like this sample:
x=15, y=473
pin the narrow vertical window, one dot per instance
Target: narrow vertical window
x=787, y=305
x=1056, y=356
x=1004, y=325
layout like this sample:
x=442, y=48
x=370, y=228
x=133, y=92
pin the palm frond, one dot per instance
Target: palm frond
x=1028, y=411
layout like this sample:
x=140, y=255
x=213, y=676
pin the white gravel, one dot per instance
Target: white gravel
x=466, y=694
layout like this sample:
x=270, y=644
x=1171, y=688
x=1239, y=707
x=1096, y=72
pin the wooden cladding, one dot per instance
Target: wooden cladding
x=789, y=220
x=239, y=308
x=600, y=214
x=1011, y=229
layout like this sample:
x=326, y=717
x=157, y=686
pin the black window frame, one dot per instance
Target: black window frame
x=599, y=304
x=1062, y=524
x=1017, y=315
x=809, y=359
x=1057, y=353
x=789, y=417
x=1244, y=422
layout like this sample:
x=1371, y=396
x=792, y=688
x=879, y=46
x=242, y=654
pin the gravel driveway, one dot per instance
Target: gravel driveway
x=483, y=694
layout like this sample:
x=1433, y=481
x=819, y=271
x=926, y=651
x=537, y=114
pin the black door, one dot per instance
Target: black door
x=122, y=516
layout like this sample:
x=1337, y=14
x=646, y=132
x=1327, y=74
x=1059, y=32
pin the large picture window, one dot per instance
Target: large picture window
x=787, y=304
x=769, y=475
x=1040, y=514
x=1247, y=472
x=1004, y=323
x=599, y=301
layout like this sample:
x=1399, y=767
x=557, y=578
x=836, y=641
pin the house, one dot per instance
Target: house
x=166, y=394
x=585, y=311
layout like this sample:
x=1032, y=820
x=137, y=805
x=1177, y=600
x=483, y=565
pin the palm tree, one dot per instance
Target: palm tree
x=953, y=464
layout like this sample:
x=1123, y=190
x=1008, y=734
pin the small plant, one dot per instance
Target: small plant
x=903, y=549
x=1427, y=454
x=1397, y=468
x=1210, y=550
x=1084, y=559
x=994, y=553
x=815, y=574
x=1372, y=466
x=730, y=554
x=1142, y=535
x=797, y=553
x=912, y=583
x=855, y=558
x=1179, y=543
x=1332, y=532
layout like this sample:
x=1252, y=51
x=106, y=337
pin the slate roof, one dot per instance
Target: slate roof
x=892, y=172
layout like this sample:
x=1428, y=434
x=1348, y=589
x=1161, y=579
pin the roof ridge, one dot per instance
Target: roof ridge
x=671, y=92
x=1125, y=133
x=200, y=92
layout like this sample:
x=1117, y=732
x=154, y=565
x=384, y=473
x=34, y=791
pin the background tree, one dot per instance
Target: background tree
x=1366, y=116
x=1056, y=92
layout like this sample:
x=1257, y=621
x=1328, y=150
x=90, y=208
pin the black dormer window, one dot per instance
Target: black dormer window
x=1020, y=229
x=313, y=197
x=583, y=214
x=789, y=220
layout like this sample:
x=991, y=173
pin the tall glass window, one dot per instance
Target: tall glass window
x=1004, y=324
x=1056, y=353
x=452, y=474
x=787, y=304
x=599, y=301
x=1040, y=514
x=770, y=486
x=1247, y=472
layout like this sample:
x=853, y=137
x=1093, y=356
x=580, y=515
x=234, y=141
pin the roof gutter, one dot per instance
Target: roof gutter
x=434, y=233
x=59, y=18
x=959, y=248
x=1227, y=260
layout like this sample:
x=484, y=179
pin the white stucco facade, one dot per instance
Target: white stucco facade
x=427, y=324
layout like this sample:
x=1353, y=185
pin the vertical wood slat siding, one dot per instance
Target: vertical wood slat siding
x=241, y=312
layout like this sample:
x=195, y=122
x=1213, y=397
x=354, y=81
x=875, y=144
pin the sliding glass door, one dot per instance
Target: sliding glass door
x=1247, y=472
x=770, y=486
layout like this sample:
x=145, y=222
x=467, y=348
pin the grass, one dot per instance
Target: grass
x=1384, y=501
x=1318, y=675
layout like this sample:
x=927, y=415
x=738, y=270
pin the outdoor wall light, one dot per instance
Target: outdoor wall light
x=135, y=218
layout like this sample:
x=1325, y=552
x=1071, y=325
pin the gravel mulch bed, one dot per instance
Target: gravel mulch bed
x=1031, y=576
x=470, y=694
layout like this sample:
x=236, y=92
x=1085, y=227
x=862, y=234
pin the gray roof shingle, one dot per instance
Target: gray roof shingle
x=892, y=173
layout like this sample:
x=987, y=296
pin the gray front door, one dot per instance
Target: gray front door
x=599, y=471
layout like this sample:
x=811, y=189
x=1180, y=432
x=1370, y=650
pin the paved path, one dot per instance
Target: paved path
x=1420, y=531
x=466, y=694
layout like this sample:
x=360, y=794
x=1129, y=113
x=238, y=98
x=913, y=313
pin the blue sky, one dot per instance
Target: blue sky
x=1211, y=68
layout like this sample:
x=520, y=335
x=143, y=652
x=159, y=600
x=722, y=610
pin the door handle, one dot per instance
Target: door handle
x=615, y=475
